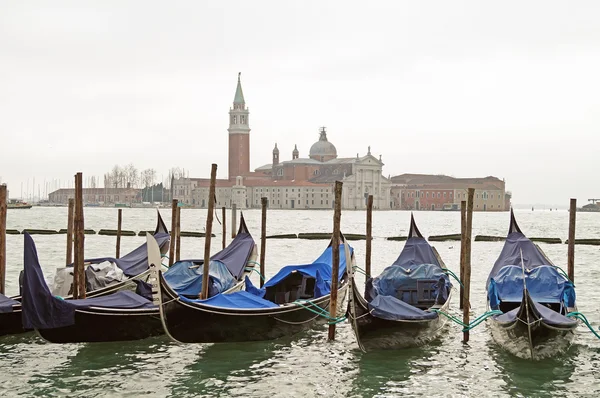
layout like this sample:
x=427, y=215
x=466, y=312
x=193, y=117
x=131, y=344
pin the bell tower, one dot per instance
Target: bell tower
x=239, y=135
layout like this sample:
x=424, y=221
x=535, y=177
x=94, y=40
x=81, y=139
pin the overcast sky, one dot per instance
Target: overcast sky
x=509, y=89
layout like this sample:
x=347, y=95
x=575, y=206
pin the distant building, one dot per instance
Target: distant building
x=299, y=183
x=440, y=192
x=101, y=196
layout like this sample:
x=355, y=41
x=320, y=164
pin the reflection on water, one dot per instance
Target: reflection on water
x=307, y=365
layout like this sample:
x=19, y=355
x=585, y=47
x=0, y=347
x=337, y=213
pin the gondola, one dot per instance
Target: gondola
x=398, y=309
x=133, y=268
x=534, y=298
x=123, y=315
x=293, y=300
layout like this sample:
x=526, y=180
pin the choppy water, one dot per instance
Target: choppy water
x=306, y=365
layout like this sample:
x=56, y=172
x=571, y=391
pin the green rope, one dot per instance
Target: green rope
x=255, y=270
x=582, y=318
x=564, y=274
x=453, y=275
x=472, y=324
x=481, y=318
x=321, y=312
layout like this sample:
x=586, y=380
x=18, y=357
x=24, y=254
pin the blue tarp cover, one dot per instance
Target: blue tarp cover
x=133, y=263
x=321, y=265
x=544, y=284
x=395, y=278
x=390, y=308
x=416, y=261
x=547, y=315
x=236, y=254
x=416, y=251
x=188, y=281
x=253, y=297
x=6, y=304
x=511, y=254
x=41, y=310
x=239, y=299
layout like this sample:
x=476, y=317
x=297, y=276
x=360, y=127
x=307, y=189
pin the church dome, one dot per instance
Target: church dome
x=323, y=150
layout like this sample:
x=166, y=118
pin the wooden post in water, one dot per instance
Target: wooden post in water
x=467, y=274
x=70, y=226
x=3, y=209
x=263, y=238
x=233, y=220
x=178, y=236
x=571, y=249
x=174, y=204
x=78, y=269
x=335, y=257
x=209, y=221
x=119, y=225
x=463, y=240
x=224, y=225
x=369, y=236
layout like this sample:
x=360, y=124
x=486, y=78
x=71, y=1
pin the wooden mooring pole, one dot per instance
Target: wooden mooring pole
x=571, y=249
x=369, y=236
x=3, y=209
x=79, y=229
x=467, y=274
x=224, y=225
x=174, y=204
x=70, y=226
x=209, y=221
x=178, y=236
x=263, y=238
x=233, y=220
x=463, y=236
x=119, y=225
x=335, y=257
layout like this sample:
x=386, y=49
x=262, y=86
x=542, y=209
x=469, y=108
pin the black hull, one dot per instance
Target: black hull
x=197, y=323
x=375, y=333
x=10, y=322
x=103, y=325
x=546, y=341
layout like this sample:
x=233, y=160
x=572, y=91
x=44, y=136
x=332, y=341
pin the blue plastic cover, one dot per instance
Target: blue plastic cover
x=6, y=304
x=544, y=283
x=41, y=310
x=235, y=256
x=547, y=315
x=186, y=278
x=390, y=308
x=416, y=265
x=239, y=299
x=394, y=279
x=416, y=251
x=136, y=262
x=322, y=265
x=516, y=242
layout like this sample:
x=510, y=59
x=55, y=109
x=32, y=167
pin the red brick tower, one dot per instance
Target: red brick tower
x=239, y=135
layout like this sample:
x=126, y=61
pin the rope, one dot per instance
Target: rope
x=582, y=318
x=562, y=271
x=472, y=324
x=454, y=276
x=255, y=270
x=320, y=312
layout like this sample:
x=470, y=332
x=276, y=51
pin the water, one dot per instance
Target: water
x=306, y=365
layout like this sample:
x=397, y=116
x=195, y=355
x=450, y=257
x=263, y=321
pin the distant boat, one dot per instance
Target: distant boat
x=18, y=204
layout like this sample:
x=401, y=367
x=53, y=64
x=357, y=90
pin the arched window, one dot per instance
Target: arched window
x=280, y=172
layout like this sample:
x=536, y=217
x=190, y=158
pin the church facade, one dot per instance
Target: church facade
x=297, y=183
